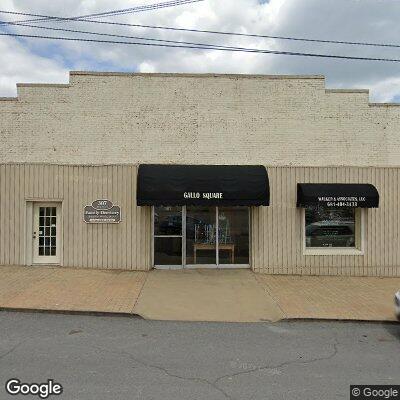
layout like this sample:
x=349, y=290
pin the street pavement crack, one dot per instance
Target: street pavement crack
x=282, y=365
x=166, y=371
x=12, y=349
x=215, y=384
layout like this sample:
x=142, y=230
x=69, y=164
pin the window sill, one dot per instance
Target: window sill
x=333, y=252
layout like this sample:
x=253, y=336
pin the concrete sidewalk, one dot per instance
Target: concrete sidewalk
x=206, y=295
x=198, y=295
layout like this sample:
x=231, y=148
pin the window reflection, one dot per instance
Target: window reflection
x=330, y=227
x=200, y=235
x=167, y=250
x=168, y=236
x=233, y=235
x=168, y=221
x=199, y=245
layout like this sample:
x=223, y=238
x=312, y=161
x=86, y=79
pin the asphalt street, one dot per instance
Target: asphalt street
x=108, y=357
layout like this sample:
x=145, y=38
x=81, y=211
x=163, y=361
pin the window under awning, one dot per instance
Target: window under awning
x=340, y=195
x=179, y=185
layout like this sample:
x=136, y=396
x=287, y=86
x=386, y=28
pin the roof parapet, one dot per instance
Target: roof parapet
x=194, y=75
x=347, y=91
x=384, y=104
x=21, y=93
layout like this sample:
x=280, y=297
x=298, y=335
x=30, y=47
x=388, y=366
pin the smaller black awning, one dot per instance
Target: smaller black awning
x=218, y=185
x=340, y=195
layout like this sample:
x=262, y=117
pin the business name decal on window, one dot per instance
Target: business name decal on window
x=102, y=212
x=202, y=195
x=342, y=201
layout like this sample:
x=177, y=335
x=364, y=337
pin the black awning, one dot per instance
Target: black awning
x=178, y=185
x=344, y=195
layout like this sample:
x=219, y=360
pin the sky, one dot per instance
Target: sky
x=37, y=60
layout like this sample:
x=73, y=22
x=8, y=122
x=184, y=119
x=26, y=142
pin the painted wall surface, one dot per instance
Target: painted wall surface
x=111, y=118
x=276, y=231
x=52, y=136
x=116, y=246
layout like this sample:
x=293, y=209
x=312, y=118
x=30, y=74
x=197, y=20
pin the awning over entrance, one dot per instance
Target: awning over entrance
x=178, y=185
x=337, y=195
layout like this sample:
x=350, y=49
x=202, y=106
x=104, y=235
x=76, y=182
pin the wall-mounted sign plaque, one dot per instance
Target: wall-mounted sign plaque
x=338, y=195
x=102, y=212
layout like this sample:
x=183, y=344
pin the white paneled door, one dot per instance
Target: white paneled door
x=46, y=233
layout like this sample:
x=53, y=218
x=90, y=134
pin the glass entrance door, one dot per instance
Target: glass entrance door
x=187, y=236
x=168, y=236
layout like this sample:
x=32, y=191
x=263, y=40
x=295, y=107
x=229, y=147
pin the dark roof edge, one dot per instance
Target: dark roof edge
x=136, y=164
x=194, y=75
x=347, y=91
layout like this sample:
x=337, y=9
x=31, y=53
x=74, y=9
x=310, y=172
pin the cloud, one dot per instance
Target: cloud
x=366, y=20
x=20, y=65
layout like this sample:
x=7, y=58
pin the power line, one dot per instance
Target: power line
x=126, y=36
x=141, y=8
x=208, y=47
x=81, y=19
x=131, y=10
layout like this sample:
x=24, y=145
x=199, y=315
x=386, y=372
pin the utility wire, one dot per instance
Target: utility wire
x=80, y=19
x=125, y=36
x=208, y=47
x=140, y=8
x=131, y=10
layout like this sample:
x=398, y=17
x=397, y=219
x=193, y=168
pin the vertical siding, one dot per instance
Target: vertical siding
x=276, y=242
x=277, y=234
x=116, y=246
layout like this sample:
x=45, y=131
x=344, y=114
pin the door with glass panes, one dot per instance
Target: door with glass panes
x=195, y=236
x=46, y=233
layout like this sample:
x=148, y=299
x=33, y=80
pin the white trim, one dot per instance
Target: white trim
x=167, y=267
x=197, y=266
x=214, y=266
x=167, y=236
x=28, y=233
x=333, y=251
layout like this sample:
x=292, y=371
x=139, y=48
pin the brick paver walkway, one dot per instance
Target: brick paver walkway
x=67, y=289
x=331, y=297
x=205, y=295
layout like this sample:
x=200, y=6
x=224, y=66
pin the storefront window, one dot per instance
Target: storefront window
x=200, y=235
x=331, y=227
x=233, y=227
x=188, y=236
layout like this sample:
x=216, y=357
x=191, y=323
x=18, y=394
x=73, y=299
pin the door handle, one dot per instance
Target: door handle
x=34, y=235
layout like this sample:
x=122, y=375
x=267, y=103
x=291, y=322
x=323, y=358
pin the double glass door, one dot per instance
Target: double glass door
x=201, y=236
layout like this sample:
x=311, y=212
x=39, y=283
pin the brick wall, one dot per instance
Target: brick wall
x=102, y=118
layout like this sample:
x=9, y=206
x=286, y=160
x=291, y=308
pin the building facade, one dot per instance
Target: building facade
x=135, y=171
